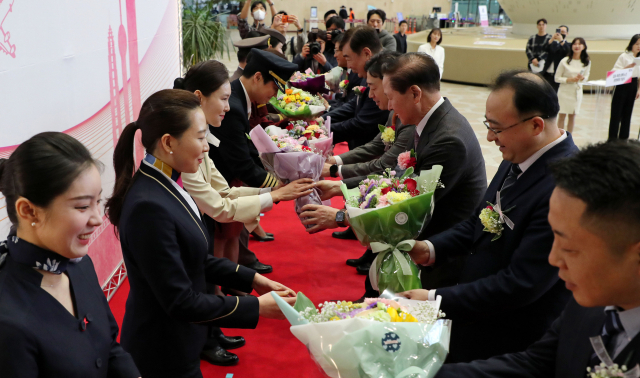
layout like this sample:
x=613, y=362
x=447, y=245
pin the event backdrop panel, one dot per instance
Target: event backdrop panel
x=83, y=68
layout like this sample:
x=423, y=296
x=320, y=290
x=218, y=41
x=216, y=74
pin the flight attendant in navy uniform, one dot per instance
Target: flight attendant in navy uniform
x=54, y=318
x=166, y=246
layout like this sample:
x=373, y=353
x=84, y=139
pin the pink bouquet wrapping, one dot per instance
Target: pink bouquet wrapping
x=317, y=134
x=290, y=159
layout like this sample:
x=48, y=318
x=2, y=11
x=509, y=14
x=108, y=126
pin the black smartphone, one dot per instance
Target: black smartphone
x=558, y=31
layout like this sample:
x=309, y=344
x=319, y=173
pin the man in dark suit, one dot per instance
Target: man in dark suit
x=559, y=48
x=236, y=157
x=594, y=213
x=353, y=79
x=356, y=122
x=507, y=294
x=444, y=137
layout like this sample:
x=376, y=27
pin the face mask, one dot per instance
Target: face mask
x=259, y=15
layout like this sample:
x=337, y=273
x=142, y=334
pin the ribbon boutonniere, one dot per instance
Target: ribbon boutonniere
x=493, y=217
x=344, y=84
x=388, y=135
x=359, y=90
x=608, y=369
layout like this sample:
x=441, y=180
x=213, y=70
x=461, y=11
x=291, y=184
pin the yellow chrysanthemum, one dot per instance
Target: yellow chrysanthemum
x=389, y=135
x=393, y=197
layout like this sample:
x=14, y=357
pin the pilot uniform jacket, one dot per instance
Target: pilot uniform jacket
x=563, y=352
x=166, y=250
x=214, y=197
x=39, y=337
x=372, y=157
x=236, y=157
x=356, y=122
x=507, y=295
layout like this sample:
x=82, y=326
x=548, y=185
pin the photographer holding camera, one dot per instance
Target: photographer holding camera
x=318, y=52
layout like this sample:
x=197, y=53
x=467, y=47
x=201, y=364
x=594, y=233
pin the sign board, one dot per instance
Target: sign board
x=484, y=18
x=400, y=16
x=619, y=77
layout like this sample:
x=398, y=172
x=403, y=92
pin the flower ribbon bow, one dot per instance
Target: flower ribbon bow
x=382, y=249
x=498, y=209
x=601, y=352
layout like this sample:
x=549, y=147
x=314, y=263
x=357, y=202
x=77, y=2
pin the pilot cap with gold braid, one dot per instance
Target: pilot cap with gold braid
x=270, y=64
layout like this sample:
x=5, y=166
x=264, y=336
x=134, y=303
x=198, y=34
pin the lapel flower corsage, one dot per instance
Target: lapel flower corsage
x=359, y=90
x=388, y=135
x=492, y=217
x=407, y=159
x=344, y=84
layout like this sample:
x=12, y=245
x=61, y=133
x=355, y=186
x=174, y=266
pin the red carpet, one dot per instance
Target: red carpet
x=313, y=264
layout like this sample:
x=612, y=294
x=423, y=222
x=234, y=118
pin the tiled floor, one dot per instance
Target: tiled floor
x=592, y=123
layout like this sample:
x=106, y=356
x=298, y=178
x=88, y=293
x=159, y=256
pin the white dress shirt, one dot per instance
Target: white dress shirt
x=425, y=119
x=630, y=320
x=182, y=192
x=437, y=54
x=523, y=166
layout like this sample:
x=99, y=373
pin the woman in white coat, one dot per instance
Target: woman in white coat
x=573, y=71
x=433, y=48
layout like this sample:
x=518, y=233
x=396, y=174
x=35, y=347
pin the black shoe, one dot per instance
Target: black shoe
x=360, y=260
x=230, y=342
x=363, y=269
x=219, y=356
x=259, y=238
x=260, y=267
x=346, y=234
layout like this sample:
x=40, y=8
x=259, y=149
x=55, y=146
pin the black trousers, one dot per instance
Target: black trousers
x=624, y=98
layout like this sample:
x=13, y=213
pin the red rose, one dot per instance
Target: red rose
x=412, y=162
x=414, y=193
x=411, y=184
x=392, y=127
x=385, y=190
x=490, y=208
x=317, y=134
x=290, y=127
x=305, y=148
x=313, y=122
x=346, y=81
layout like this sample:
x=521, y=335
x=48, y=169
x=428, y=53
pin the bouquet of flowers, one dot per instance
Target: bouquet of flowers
x=316, y=133
x=289, y=159
x=344, y=84
x=310, y=82
x=298, y=104
x=379, y=338
x=387, y=213
x=332, y=78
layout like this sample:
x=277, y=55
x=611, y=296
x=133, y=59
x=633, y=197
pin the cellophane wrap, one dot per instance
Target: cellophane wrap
x=363, y=348
x=290, y=166
x=313, y=85
x=322, y=145
x=308, y=112
x=391, y=225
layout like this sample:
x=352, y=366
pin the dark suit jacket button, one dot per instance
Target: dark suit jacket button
x=83, y=325
x=99, y=362
x=89, y=317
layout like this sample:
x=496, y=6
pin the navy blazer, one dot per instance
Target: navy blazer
x=356, y=122
x=563, y=352
x=166, y=251
x=40, y=338
x=508, y=295
x=237, y=157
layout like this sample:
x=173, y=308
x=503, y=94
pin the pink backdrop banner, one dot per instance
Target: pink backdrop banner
x=84, y=68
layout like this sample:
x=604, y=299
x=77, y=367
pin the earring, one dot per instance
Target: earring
x=171, y=152
x=33, y=224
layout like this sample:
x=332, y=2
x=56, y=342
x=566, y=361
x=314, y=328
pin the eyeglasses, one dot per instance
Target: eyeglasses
x=486, y=123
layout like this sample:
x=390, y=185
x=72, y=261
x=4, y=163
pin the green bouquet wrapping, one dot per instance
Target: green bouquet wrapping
x=298, y=104
x=387, y=213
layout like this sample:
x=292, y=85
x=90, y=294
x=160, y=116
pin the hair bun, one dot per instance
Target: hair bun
x=178, y=83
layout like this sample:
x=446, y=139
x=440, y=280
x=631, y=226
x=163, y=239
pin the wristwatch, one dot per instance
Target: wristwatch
x=341, y=218
x=333, y=171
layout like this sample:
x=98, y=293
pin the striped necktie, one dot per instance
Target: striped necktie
x=612, y=327
x=511, y=179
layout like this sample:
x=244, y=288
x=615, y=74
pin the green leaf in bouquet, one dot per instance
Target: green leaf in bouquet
x=302, y=303
x=407, y=173
x=381, y=128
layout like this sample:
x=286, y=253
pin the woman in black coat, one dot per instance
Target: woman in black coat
x=54, y=318
x=165, y=245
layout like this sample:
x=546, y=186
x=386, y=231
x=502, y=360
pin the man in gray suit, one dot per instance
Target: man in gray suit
x=442, y=137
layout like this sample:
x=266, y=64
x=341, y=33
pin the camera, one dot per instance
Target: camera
x=315, y=34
